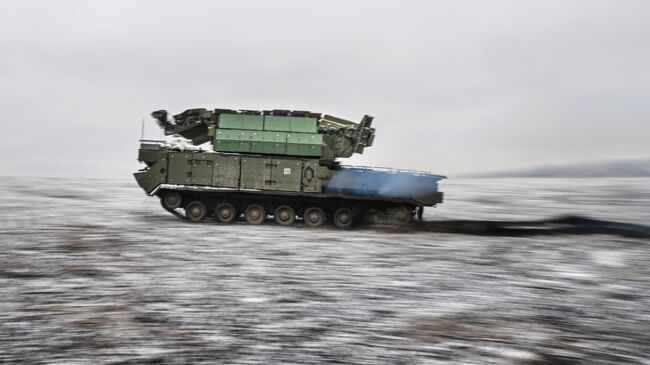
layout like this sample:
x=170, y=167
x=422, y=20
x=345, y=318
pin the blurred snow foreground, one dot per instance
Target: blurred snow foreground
x=93, y=272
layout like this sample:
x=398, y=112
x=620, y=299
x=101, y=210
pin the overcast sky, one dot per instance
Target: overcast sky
x=455, y=86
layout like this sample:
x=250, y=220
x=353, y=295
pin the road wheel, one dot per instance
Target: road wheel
x=314, y=217
x=172, y=200
x=343, y=218
x=284, y=215
x=401, y=215
x=255, y=214
x=225, y=213
x=374, y=217
x=196, y=211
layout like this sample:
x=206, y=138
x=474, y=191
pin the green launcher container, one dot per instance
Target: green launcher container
x=241, y=121
x=268, y=142
x=276, y=135
x=304, y=144
x=233, y=140
x=290, y=124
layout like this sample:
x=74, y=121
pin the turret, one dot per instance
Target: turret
x=273, y=132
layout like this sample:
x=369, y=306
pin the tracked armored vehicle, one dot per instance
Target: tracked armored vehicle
x=276, y=163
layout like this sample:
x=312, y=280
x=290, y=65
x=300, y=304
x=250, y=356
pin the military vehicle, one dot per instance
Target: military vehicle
x=278, y=163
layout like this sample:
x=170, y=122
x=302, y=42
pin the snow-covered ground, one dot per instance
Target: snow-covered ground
x=94, y=271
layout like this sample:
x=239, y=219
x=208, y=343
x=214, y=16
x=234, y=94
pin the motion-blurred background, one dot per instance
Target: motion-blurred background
x=457, y=87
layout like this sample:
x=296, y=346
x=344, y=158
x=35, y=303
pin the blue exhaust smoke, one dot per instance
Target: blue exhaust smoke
x=387, y=183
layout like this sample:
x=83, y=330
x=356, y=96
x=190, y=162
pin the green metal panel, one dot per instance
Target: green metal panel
x=304, y=144
x=225, y=171
x=304, y=125
x=241, y=121
x=277, y=123
x=202, y=164
x=151, y=155
x=255, y=173
x=268, y=142
x=310, y=180
x=180, y=168
x=290, y=124
x=286, y=174
x=154, y=176
x=233, y=140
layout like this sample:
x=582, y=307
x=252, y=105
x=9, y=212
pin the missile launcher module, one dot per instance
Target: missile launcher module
x=278, y=163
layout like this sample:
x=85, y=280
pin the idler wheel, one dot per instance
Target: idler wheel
x=172, y=200
x=284, y=215
x=225, y=213
x=344, y=218
x=255, y=214
x=314, y=217
x=196, y=211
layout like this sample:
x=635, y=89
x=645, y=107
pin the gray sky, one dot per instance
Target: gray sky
x=455, y=86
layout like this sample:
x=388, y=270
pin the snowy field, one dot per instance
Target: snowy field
x=94, y=271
